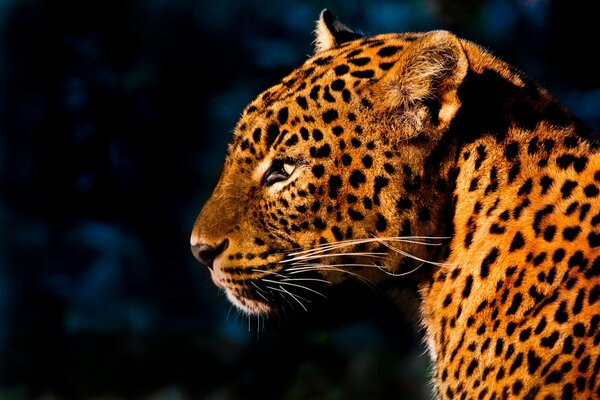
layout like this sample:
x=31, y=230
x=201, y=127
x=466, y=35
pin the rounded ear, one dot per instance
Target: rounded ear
x=429, y=71
x=330, y=32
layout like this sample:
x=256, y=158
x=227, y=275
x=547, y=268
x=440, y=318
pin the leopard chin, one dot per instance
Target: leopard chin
x=247, y=304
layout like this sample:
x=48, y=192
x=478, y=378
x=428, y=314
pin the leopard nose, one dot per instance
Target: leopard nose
x=206, y=253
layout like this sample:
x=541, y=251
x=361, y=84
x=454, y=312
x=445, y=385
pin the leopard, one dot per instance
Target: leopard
x=421, y=159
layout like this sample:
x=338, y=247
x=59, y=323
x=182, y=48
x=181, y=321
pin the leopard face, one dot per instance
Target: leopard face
x=320, y=162
x=421, y=155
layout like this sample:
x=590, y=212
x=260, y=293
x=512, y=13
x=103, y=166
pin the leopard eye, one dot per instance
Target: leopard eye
x=279, y=171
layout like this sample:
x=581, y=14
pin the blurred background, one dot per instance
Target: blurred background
x=114, y=119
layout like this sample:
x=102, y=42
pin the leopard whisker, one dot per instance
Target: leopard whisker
x=338, y=265
x=398, y=274
x=296, y=297
x=284, y=278
x=307, y=279
x=320, y=252
x=295, y=285
x=259, y=291
x=376, y=266
x=325, y=267
x=406, y=254
x=231, y=307
x=267, y=273
x=262, y=295
x=353, y=242
x=259, y=328
x=309, y=257
x=284, y=298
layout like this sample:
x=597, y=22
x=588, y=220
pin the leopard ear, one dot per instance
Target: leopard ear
x=330, y=32
x=428, y=71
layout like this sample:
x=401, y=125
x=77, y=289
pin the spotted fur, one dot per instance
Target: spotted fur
x=422, y=155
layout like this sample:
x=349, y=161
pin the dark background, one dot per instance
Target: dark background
x=114, y=118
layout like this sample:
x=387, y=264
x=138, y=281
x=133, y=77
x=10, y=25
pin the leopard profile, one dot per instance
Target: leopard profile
x=424, y=156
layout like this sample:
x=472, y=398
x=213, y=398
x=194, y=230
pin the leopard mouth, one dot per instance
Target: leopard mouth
x=292, y=280
x=269, y=289
x=247, y=302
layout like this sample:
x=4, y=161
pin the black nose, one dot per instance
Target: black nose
x=206, y=253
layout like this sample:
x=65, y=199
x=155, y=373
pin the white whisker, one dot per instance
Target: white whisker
x=282, y=289
x=295, y=285
x=283, y=297
x=231, y=307
x=266, y=272
x=281, y=276
x=404, y=253
x=258, y=327
x=326, y=267
x=300, y=267
x=295, y=297
x=398, y=274
x=284, y=278
x=295, y=270
x=307, y=279
x=352, y=242
x=320, y=256
x=259, y=291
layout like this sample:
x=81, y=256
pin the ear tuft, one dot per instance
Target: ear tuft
x=330, y=32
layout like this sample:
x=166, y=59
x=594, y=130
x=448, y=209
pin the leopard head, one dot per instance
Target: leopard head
x=334, y=172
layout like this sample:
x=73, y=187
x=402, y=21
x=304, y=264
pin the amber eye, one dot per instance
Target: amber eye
x=279, y=171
